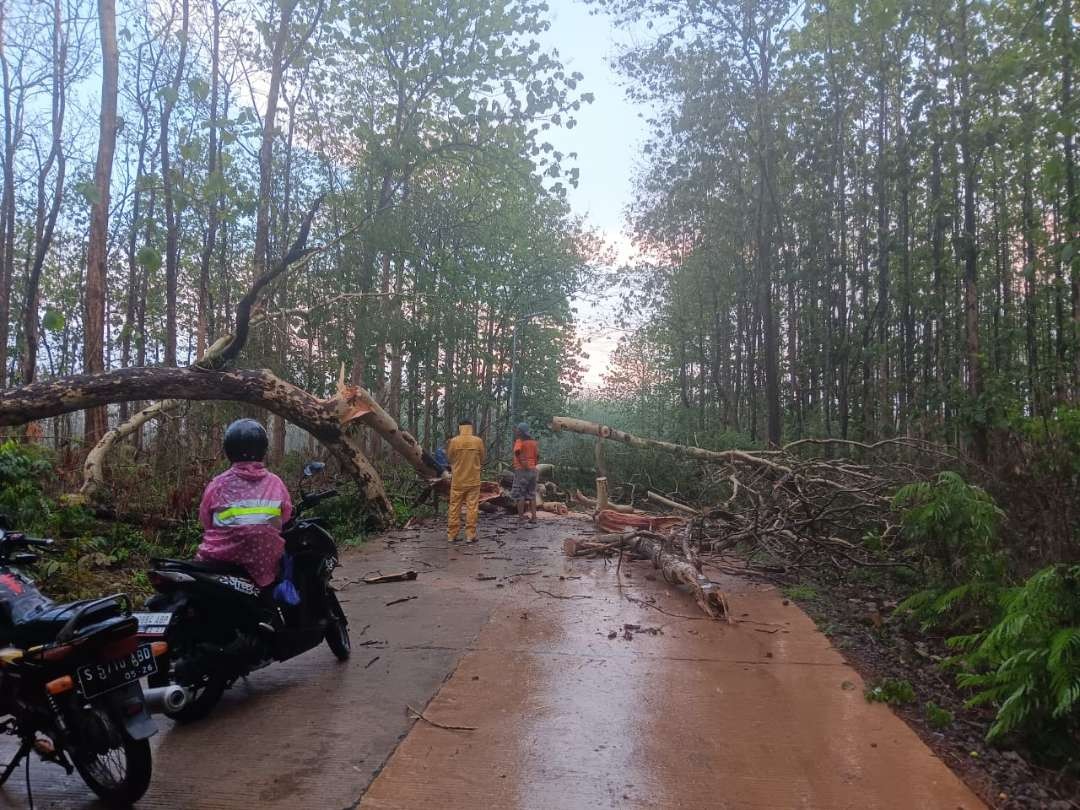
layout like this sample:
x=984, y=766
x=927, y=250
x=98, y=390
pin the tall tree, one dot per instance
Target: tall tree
x=97, y=252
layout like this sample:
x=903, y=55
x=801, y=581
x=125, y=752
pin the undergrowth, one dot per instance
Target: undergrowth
x=95, y=556
x=1016, y=644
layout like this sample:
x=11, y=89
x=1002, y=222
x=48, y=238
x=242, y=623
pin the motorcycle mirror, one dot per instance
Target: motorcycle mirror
x=312, y=468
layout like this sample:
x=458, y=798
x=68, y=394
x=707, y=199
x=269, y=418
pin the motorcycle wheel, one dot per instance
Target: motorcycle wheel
x=202, y=698
x=113, y=765
x=337, y=630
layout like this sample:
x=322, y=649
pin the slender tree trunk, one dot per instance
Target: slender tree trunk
x=1030, y=226
x=214, y=179
x=168, y=182
x=97, y=245
x=970, y=246
x=47, y=222
x=7, y=198
x=1072, y=204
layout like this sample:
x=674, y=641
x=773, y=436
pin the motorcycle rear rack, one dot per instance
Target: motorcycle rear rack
x=67, y=632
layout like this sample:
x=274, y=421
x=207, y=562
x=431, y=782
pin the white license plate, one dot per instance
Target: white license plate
x=153, y=624
x=94, y=679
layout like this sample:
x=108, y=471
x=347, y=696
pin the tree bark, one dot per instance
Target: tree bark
x=98, y=242
x=46, y=222
x=172, y=227
x=319, y=417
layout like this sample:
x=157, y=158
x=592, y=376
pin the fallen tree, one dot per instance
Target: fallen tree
x=672, y=563
x=209, y=379
x=791, y=508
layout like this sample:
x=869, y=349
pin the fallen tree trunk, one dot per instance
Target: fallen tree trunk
x=94, y=466
x=560, y=423
x=675, y=569
x=318, y=417
x=353, y=403
x=654, y=547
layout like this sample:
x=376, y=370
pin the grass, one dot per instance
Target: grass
x=938, y=718
x=801, y=592
x=893, y=691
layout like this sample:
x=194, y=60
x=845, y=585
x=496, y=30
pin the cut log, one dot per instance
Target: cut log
x=651, y=546
x=656, y=497
x=675, y=569
x=612, y=521
x=601, y=494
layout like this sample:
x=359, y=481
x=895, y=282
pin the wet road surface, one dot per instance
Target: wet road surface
x=570, y=709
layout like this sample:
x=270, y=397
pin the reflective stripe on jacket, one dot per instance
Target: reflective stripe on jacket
x=249, y=513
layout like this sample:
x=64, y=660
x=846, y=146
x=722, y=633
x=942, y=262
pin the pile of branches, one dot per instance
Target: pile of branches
x=820, y=504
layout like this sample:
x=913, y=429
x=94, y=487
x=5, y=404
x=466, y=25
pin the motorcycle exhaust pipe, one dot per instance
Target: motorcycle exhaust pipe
x=163, y=699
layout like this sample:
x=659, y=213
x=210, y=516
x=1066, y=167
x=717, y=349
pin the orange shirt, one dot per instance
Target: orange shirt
x=526, y=454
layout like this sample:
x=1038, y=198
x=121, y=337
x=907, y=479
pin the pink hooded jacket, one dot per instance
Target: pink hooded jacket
x=242, y=513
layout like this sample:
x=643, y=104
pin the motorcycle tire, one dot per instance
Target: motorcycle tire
x=337, y=630
x=201, y=703
x=118, y=751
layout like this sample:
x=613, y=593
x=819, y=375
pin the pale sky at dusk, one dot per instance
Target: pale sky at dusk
x=607, y=138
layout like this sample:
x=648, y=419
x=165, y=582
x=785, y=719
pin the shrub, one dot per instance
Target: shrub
x=954, y=526
x=24, y=469
x=1028, y=662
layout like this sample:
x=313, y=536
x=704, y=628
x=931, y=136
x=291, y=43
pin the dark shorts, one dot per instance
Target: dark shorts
x=524, y=488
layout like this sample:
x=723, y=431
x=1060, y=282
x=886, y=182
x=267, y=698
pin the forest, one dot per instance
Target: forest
x=856, y=231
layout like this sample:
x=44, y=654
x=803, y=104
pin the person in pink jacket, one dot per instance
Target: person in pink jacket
x=244, y=508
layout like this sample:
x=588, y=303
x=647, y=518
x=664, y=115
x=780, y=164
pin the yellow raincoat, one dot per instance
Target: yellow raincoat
x=466, y=455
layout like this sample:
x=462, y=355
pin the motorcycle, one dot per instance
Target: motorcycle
x=69, y=680
x=220, y=627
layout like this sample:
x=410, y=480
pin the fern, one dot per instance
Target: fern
x=1028, y=662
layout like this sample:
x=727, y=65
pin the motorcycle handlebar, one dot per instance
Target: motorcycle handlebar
x=20, y=539
x=314, y=499
x=319, y=497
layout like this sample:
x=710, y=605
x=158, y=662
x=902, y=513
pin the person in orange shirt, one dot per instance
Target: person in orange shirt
x=466, y=455
x=526, y=457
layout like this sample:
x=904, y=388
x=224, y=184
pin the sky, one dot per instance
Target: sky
x=607, y=138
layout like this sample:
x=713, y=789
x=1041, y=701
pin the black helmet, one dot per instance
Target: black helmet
x=245, y=440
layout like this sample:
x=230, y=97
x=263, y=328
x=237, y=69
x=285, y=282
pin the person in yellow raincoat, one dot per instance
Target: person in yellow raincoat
x=466, y=454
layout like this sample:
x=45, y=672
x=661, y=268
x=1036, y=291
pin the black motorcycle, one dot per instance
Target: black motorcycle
x=220, y=627
x=69, y=680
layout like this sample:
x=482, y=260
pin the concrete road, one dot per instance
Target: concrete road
x=567, y=707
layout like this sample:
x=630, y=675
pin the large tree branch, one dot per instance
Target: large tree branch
x=320, y=418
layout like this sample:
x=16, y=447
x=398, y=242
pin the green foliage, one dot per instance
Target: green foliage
x=801, y=592
x=955, y=523
x=894, y=691
x=24, y=469
x=346, y=517
x=1027, y=663
x=937, y=717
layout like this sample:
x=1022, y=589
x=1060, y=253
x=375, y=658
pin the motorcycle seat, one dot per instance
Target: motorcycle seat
x=42, y=626
x=203, y=567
